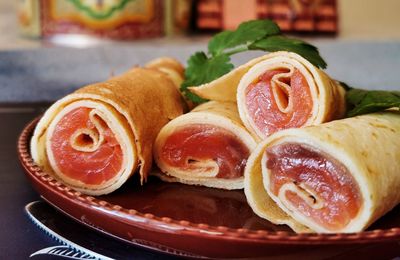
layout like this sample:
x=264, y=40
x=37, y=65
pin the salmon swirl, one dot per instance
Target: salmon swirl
x=208, y=146
x=95, y=138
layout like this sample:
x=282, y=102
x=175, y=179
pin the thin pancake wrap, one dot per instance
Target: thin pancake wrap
x=95, y=138
x=208, y=146
x=339, y=177
x=278, y=91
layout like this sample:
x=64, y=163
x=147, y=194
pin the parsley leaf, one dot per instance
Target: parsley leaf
x=245, y=34
x=368, y=101
x=202, y=69
x=282, y=43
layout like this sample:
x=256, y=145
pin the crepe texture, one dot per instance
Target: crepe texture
x=327, y=95
x=134, y=105
x=223, y=115
x=369, y=148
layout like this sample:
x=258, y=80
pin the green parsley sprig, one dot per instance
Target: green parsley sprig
x=262, y=35
x=361, y=101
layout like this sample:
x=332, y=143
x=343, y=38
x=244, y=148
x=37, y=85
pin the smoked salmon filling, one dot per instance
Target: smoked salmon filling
x=205, y=150
x=83, y=148
x=278, y=99
x=87, y=146
x=337, y=177
x=313, y=184
x=208, y=146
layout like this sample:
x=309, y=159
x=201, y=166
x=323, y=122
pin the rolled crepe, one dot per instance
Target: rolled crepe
x=95, y=138
x=208, y=146
x=336, y=177
x=278, y=91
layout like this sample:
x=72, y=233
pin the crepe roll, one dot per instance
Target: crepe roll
x=278, y=91
x=95, y=138
x=338, y=177
x=208, y=146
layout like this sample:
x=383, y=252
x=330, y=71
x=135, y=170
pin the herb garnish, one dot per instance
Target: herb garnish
x=262, y=35
x=361, y=101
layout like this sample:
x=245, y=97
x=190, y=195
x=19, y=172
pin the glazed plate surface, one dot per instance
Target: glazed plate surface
x=193, y=221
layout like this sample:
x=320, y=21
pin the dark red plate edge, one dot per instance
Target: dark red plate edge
x=222, y=232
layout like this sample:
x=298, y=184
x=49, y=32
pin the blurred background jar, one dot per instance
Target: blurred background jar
x=137, y=19
x=111, y=19
x=300, y=16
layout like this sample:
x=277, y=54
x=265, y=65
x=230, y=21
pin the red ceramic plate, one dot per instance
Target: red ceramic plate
x=192, y=221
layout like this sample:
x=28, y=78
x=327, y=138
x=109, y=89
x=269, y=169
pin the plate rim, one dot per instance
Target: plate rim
x=194, y=229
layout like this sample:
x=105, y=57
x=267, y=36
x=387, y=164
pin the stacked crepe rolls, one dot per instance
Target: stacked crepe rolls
x=95, y=138
x=278, y=91
x=208, y=146
x=339, y=177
